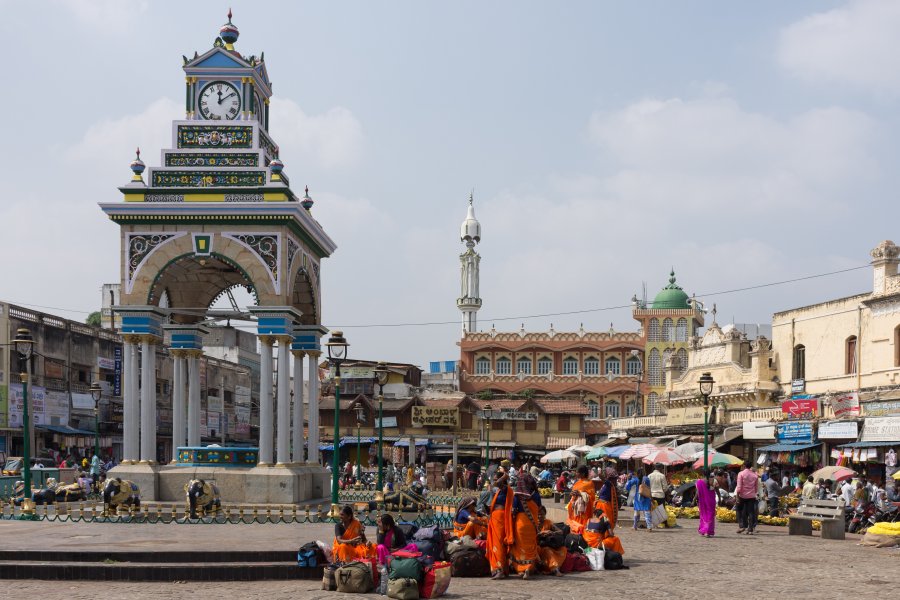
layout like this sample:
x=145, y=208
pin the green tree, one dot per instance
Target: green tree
x=485, y=395
x=93, y=319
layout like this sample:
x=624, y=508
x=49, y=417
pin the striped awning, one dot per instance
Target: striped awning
x=557, y=442
x=868, y=444
x=786, y=447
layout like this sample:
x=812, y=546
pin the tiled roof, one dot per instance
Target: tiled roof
x=500, y=404
x=562, y=407
x=595, y=426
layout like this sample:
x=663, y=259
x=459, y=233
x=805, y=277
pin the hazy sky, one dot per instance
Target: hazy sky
x=741, y=143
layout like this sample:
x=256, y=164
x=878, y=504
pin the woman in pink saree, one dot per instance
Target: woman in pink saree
x=706, y=502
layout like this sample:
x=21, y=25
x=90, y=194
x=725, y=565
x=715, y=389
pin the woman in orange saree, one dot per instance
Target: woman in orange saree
x=598, y=533
x=466, y=522
x=551, y=559
x=500, y=527
x=608, y=501
x=581, y=505
x=350, y=539
x=523, y=554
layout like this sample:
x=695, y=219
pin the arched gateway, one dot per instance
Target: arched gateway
x=216, y=213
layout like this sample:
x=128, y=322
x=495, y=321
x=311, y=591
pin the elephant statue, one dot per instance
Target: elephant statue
x=72, y=492
x=202, y=495
x=46, y=495
x=405, y=499
x=120, y=492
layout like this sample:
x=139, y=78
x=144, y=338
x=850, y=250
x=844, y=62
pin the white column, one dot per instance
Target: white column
x=193, y=363
x=148, y=401
x=129, y=403
x=178, y=412
x=266, y=415
x=283, y=446
x=412, y=451
x=313, y=455
x=297, y=441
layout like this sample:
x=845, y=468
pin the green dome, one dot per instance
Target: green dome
x=671, y=296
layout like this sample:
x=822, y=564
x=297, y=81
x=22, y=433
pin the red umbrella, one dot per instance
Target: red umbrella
x=664, y=457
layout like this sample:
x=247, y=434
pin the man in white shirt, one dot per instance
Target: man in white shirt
x=658, y=485
x=847, y=492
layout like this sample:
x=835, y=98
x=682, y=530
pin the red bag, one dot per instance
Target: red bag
x=436, y=580
x=481, y=544
x=575, y=561
x=405, y=554
x=372, y=563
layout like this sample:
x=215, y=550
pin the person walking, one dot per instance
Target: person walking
x=658, y=485
x=747, y=481
x=773, y=491
x=706, y=502
x=642, y=498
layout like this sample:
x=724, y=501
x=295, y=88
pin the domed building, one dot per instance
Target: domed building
x=668, y=322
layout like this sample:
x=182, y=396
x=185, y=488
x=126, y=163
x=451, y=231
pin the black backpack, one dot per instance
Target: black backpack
x=470, y=562
x=575, y=543
x=310, y=555
x=612, y=561
x=555, y=540
x=564, y=527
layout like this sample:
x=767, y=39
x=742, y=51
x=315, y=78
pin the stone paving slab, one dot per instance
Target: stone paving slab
x=672, y=563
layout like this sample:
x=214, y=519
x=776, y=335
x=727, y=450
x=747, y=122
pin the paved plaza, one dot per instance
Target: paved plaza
x=673, y=563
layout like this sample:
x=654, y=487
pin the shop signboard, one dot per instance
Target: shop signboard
x=117, y=377
x=881, y=429
x=693, y=415
x=798, y=386
x=241, y=395
x=56, y=408
x=758, y=430
x=212, y=422
x=242, y=418
x=106, y=363
x=428, y=416
x=882, y=409
x=82, y=401
x=674, y=416
x=839, y=430
x=845, y=405
x=800, y=408
x=215, y=404
x=511, y=415
x=797, y=432
x=35, y=405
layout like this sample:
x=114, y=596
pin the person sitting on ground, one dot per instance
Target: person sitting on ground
x=466, y=522
x=599, y=534
x=389, y=538
x=581, y=504
x=550, y=559
x=350, y=538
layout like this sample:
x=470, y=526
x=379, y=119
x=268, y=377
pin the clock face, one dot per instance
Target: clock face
x=219, y=100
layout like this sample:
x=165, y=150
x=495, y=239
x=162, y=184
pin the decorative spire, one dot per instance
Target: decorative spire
x=137, y=167
x=276, y=167
x=470, y=232
x=229, y=33
x=307, y=202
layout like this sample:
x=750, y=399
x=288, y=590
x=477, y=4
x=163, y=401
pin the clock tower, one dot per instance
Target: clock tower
x=219, y=212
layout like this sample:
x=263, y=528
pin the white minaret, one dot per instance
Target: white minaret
x=469, y=301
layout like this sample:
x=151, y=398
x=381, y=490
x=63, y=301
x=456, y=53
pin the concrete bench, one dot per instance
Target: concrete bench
x=829, y=512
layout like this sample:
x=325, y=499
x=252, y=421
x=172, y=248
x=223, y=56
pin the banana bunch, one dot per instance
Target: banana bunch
x=545, y=492
x=724, y=515
x=691, y=512
x=789, y=501
x=766, y=519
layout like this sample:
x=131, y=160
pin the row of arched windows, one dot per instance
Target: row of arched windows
x=668, y=330
x=656, y=362
x=570, y=365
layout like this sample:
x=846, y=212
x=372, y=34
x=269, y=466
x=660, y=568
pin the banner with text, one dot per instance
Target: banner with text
x=846, y=405
x=35, y=405
x=800, y=408
x=427, y=416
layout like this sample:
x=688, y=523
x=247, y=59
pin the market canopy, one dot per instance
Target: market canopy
x=558, y=456
x=596, y=453
x=638, y=451
x=786, y=447
x=404, y=443
x=616, y=451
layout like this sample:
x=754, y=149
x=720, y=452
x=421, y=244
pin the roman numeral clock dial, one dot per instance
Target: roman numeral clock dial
x=219, y=100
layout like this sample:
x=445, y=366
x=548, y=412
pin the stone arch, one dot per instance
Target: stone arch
x=194, y=280
x=304, y=296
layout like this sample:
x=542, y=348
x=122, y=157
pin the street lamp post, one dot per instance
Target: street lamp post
x=337, y=353
x=638, y=403
x=381, y=377
x=96, y=393
x=24, y=345
x=487, y=445
x=706, y=386
x=360, y=415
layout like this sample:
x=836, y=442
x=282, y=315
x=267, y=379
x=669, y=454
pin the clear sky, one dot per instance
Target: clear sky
x=741, y=143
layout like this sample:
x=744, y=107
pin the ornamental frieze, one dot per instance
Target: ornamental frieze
x=226, y=136
x=212, y=159
x=208, y=178
x=139, y=247
x=267, y=248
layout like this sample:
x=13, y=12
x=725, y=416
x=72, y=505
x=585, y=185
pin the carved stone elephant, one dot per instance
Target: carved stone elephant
x=120, y=493
x=44, y=495
x=202, y=495
x=405, y=499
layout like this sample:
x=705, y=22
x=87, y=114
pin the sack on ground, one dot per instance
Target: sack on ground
x=470, y=562
x=405, y=568
x=403, y=589
x=575, y=543
x=595, y=558
x=354, y=578
x=461, y=544
x=310, y=555
x=659, y=515
x=435, y=581
x=613, y=561
x=574, y=563
x=326, y=549
x=329, y=582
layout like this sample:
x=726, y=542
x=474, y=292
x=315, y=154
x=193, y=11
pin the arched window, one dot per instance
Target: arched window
x=545, y=365
x=595, y=410
x=653, y=333
x=591, y=366
x=633, y=366
x=504, y=366
x=523, y=365
x=612, y=409
x=799, y=368
x=613, y=366
x=631, y=409
x=681, y=357
x=681, y=332
x=851, y=361
x=652, y=403
x=483, y=366
x=668, y=330
x=570, y=366
x=654, y=368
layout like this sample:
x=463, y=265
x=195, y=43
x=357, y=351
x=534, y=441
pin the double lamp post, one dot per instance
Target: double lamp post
x=706, y=386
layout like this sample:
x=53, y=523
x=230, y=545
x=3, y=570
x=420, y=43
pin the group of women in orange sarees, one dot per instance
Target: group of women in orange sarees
x=513, y=528
x=593, y=513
